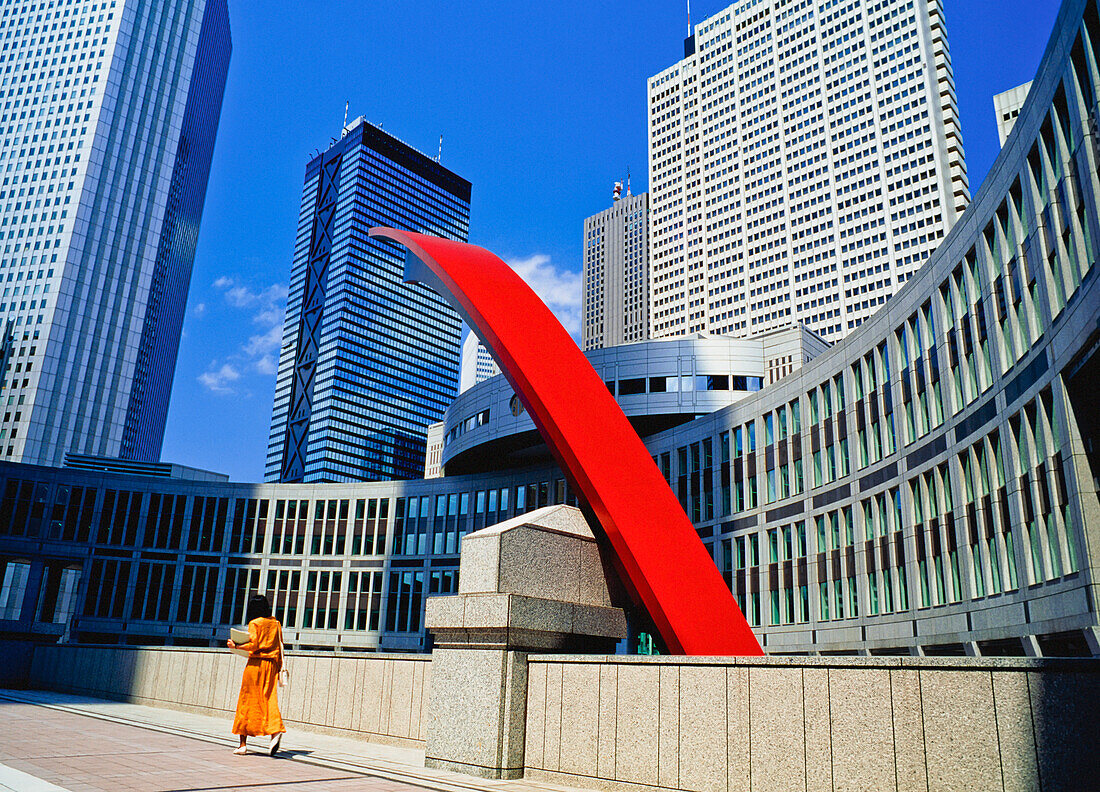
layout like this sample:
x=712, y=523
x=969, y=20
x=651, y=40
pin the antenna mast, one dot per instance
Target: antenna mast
x=689, y=18
x=344, y=128
x=439, y=157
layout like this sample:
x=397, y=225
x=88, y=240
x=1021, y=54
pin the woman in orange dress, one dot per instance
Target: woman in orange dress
x=258, y=703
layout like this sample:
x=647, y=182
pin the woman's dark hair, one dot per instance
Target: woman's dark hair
x=258, y=608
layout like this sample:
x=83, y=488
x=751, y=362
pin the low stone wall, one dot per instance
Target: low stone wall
x=377, y=697
x=812, y=723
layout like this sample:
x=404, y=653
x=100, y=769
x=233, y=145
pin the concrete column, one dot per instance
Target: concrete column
x=534, y=583
x=1031, y=646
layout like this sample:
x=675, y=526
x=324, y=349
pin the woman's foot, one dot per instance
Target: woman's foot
x=241, y=751
x=275, y=740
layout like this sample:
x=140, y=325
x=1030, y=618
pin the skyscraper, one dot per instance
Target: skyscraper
x=476, y=364
x=616, y=273
x=107, y=123
x=367, y=362
x=1007, y=106
x=804, y=161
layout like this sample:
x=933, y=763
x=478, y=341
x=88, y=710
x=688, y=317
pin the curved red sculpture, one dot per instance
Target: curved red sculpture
x=664, y=564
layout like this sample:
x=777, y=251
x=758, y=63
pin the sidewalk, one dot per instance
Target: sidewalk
x=51, y=742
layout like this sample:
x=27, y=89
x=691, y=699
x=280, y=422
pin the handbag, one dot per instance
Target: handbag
x=284, y=672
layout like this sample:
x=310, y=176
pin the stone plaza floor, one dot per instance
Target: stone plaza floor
x=52, y=742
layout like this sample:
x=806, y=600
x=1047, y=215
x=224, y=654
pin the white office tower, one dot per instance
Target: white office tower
x=475, y=364
x=108, y=113
x=804, y=160
x=1007, y=106
x=616, y=273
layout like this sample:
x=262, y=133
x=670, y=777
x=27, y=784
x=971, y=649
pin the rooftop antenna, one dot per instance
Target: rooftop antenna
x=628, y=182
x=689, y=18
x=344, y=128
x=439, y=157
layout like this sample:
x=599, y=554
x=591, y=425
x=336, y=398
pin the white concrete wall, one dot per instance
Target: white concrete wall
x=707, y=724
x=378, y=697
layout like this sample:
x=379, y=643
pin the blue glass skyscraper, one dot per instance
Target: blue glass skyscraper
x=108, y=113
x=367, y=361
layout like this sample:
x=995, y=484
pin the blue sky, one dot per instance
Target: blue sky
x=541, y=106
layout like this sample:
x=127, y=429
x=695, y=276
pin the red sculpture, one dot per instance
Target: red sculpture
x=664, y=564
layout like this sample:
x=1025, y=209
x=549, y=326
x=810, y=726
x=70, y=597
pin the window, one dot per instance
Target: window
x=13, y=588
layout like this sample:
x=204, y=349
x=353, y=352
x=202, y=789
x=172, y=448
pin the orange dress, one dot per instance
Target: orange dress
x=258, y=703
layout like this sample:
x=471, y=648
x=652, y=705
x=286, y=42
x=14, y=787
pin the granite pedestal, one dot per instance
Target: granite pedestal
x=536, y=583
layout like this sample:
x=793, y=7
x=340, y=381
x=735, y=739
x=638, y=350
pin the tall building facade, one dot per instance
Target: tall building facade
x=1007, y=106
x=476, y=365
x=805, y=158
x=108, y=114
x=367, y=361
x=616, y=273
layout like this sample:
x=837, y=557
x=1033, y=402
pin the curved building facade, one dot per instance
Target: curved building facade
x=927, y=485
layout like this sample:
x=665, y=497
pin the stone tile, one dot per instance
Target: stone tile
x=230, y=669
x=738, y=773
x=589, y=620
x=912, y=775
x=479, y=564
x=198, y=689
x=95, y=672
x=1061, y=704
x=702, y=743
x=636, y=732
x=370, y=708
x=862, y=729
x=464, y=712
x=960, y=730
x=142, y=671
x=776, y=729
x=668, y=727
x=552, y=737
x=580, y=727
x=592, y=577
x=320, y=695
x=513, y=731
x=525, y=613
x=401, y=692
x=416, y=702
x=608, y=704
x=158, y=678
x=426, y=670
x=384, y=701
x=818, y=726
x=488, y=610
x=536, y=716
x=79, y=681
x=176, y=671
x=1015, y=732
x=444, y=611
x=539, y=564
x=344, y=693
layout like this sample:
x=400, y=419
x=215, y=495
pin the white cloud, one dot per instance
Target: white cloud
x=199, y=309
x=218, y=381
x=560, y=289
x=269, y=302
x=260, y=353
x=267, y=365
x=265, y=343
